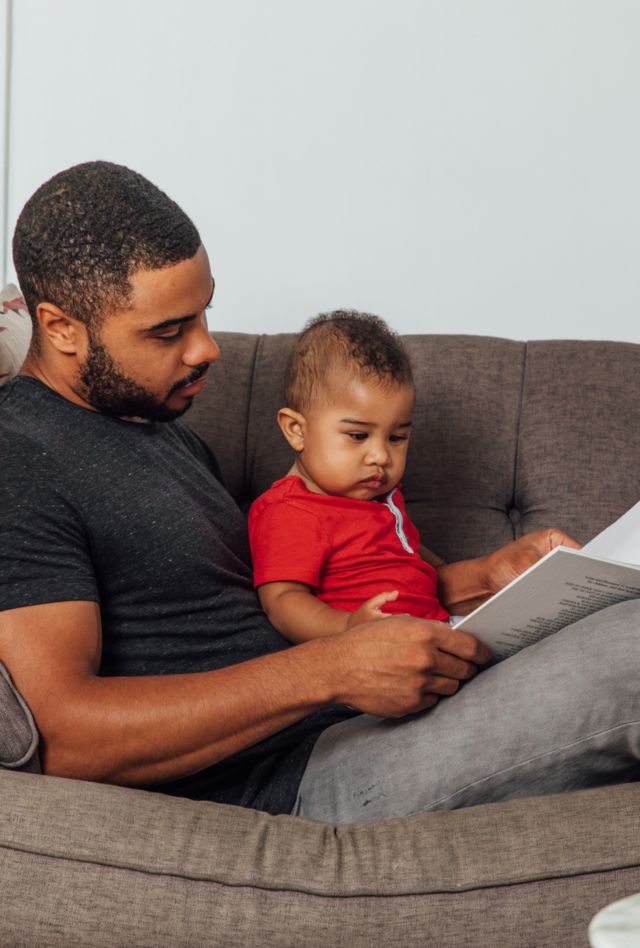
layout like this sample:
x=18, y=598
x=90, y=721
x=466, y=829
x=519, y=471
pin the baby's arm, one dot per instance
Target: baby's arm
x=299, y=615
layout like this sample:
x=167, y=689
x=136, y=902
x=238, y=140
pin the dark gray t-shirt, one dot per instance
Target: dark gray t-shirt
x=133, y=516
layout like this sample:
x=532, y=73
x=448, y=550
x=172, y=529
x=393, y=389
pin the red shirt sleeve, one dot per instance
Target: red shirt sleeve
x=288, y=543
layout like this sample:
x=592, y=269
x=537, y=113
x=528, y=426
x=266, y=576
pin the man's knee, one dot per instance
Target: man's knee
x=606, y=645
x=616, y=625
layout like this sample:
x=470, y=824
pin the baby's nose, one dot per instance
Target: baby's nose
x=378, y=454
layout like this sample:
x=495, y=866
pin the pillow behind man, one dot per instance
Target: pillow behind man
x=18, y=735
x=15, y=332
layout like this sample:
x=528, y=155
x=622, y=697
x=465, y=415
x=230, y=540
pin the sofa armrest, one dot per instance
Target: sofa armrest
x=18, y=733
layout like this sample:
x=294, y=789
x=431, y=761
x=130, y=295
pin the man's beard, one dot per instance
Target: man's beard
x=108, y=390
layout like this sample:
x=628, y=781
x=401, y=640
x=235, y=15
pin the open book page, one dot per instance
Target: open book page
x=562, y=587
x=620, y=541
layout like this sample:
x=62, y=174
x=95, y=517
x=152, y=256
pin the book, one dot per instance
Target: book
x=562, y=587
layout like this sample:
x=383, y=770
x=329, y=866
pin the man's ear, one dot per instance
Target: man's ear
x=292, y=425
x=65, y=333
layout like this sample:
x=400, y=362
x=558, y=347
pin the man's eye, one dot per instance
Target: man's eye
x=169, y=337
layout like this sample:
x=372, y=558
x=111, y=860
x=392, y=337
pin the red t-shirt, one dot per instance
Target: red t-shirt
x=345, y=550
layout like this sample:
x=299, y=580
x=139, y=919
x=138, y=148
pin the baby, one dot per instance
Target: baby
x=331, y=542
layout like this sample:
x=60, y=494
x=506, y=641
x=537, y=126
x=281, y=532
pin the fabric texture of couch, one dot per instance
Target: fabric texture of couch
x=508, y=437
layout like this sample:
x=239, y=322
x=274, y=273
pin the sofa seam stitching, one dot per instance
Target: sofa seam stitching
x=249, y=884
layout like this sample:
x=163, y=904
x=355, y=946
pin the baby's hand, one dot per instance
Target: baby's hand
x=372, y=609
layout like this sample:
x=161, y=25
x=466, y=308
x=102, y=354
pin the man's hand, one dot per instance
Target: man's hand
x=400, y=666
x=507, y=563
x=467, y=584
x=371, y=609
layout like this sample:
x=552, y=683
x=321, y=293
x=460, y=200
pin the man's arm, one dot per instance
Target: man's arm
x=467, y=584
x=144, y=730
x=430, y=557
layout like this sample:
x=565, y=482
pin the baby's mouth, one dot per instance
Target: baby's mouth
x=375, y=480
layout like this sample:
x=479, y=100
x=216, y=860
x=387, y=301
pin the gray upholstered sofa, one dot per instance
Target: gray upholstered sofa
x=509, y=437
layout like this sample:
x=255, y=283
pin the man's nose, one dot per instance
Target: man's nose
x=204, y=349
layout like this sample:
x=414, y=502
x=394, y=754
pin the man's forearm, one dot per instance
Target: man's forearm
x=463, y=585
x=148, y=730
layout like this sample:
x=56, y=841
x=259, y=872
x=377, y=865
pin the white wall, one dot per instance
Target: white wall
x=454, y=165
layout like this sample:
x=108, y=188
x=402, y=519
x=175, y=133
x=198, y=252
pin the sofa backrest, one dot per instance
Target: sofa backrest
x=508, y=436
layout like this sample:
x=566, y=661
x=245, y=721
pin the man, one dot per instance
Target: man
x=127, y=615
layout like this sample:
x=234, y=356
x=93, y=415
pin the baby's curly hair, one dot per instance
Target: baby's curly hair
x=87, y=230
x=353, y=343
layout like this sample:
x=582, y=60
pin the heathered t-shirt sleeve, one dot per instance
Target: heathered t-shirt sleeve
x=44, y=554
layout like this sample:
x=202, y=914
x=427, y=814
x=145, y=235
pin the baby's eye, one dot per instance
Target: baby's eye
x=395, y=438
x=357, y=435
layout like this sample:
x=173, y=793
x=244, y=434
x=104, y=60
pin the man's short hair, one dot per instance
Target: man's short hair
x=87, y=230
x=347, y=342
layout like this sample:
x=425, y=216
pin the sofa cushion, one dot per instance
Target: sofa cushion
x=15, y=332
x=83, y=864
x=579, y=436
x=18, y=734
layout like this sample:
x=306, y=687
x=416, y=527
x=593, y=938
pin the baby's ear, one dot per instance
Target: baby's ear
x=292, y=425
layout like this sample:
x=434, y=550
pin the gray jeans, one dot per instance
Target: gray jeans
x=559, y=715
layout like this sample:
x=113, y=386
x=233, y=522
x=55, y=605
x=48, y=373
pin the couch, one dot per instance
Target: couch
x=509, y=437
